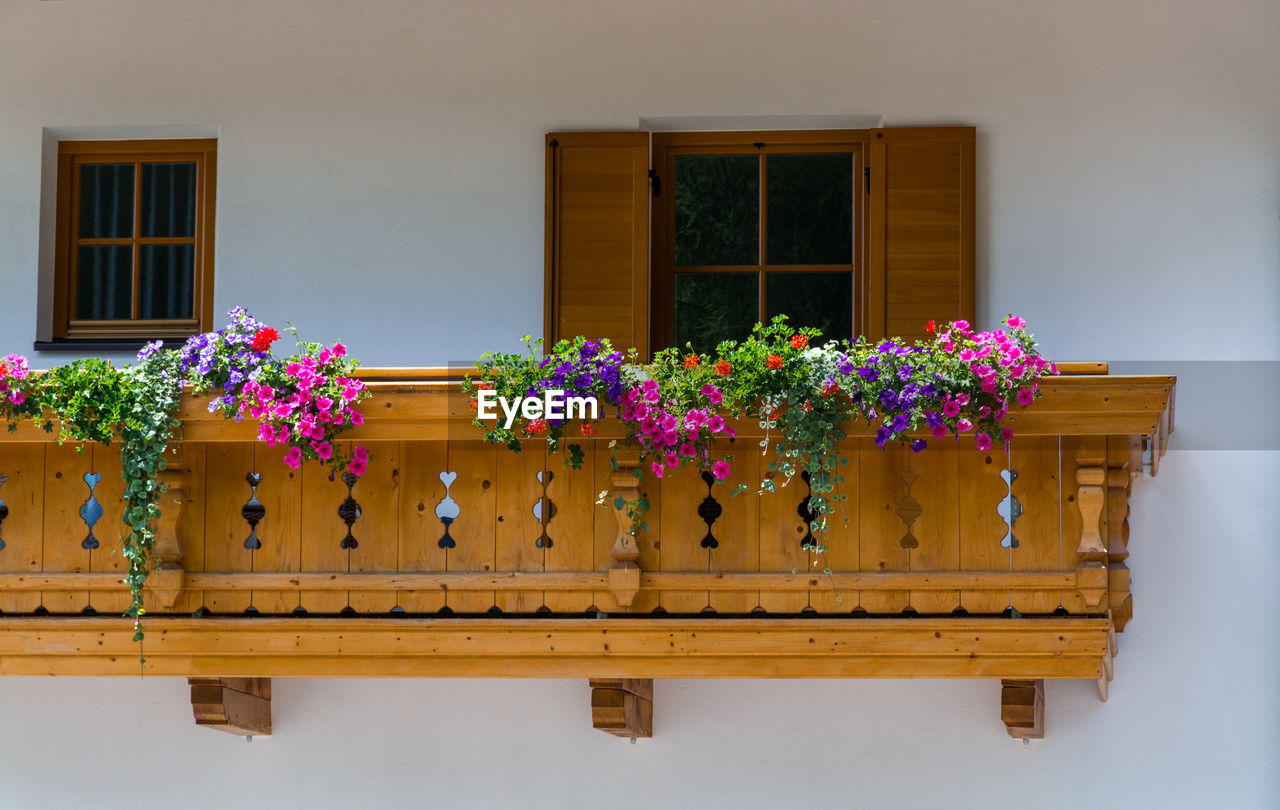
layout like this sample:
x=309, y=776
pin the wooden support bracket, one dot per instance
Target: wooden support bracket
x=1022, y=708
x=622, y=707
x=240, y=706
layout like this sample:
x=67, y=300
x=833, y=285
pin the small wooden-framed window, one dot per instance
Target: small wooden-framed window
x=756, y=224
x=134, y=251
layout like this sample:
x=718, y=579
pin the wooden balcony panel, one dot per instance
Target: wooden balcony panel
x=467, y=559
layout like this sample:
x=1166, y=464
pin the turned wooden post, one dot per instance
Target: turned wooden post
x=624, y=575
x=622, y=707
x=235, y=705
x=166, y=580
x=1091, y=479
x=1118, y=483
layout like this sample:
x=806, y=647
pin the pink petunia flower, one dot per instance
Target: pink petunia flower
x=720, y=470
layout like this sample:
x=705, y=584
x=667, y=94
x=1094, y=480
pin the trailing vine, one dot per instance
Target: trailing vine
x=800, y=390
x=301, y=402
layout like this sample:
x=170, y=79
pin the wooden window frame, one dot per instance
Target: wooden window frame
x=666, y=146
x=73, y=154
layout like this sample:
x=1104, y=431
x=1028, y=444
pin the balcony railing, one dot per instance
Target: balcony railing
x=453, y=557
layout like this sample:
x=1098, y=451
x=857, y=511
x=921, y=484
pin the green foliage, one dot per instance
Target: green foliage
x=801, y=391
x=134, y=407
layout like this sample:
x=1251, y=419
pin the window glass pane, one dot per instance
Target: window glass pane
x=717, y=210
x=106, y=200
x=166, y=281
x=711, y=307
x=168, y=199
x=104, y=282
x=823, y=300
x=810, y=209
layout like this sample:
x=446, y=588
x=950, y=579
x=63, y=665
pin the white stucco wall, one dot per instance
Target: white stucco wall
x=380, y=181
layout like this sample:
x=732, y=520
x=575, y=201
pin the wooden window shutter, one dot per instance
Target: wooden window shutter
x=597, y=238
x=920, y=229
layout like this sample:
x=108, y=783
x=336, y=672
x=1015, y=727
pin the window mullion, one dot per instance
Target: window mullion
x=764, y=222
x=137, y=233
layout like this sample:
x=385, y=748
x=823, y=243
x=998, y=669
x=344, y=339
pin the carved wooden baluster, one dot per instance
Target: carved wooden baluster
x=167, y=580
x=1091, y=573
x=624, y=576
x=1118, y=483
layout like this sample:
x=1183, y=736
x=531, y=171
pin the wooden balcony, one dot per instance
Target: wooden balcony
x=450, y=557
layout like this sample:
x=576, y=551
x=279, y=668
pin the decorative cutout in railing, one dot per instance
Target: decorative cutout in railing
x=253, y=511
x=709, y=510
x=808, y=541
x=447, y=510
x=91, y=511
x=1010, y=508
x=543, y=505
x=349, y=511
x=4, y=511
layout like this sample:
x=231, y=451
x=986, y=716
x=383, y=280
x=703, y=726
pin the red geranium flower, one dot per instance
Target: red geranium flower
x=692, y=361
x=263, y=338
x=537, y=427
x=588, y=429
x=774, y=362
x=931, y=327
x=799, y=341
x=723, y=368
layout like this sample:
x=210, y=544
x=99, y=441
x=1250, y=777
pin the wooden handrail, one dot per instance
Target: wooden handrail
x=433, y=409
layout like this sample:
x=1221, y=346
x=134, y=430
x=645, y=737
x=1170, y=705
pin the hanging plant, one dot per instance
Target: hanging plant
x=302, y=402
x=801, y=391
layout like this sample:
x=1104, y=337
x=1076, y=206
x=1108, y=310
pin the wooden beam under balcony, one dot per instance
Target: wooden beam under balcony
x=1024, y=649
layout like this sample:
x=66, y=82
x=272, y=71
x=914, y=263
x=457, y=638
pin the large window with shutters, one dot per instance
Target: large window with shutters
x=660, y=240
x=134, y=252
